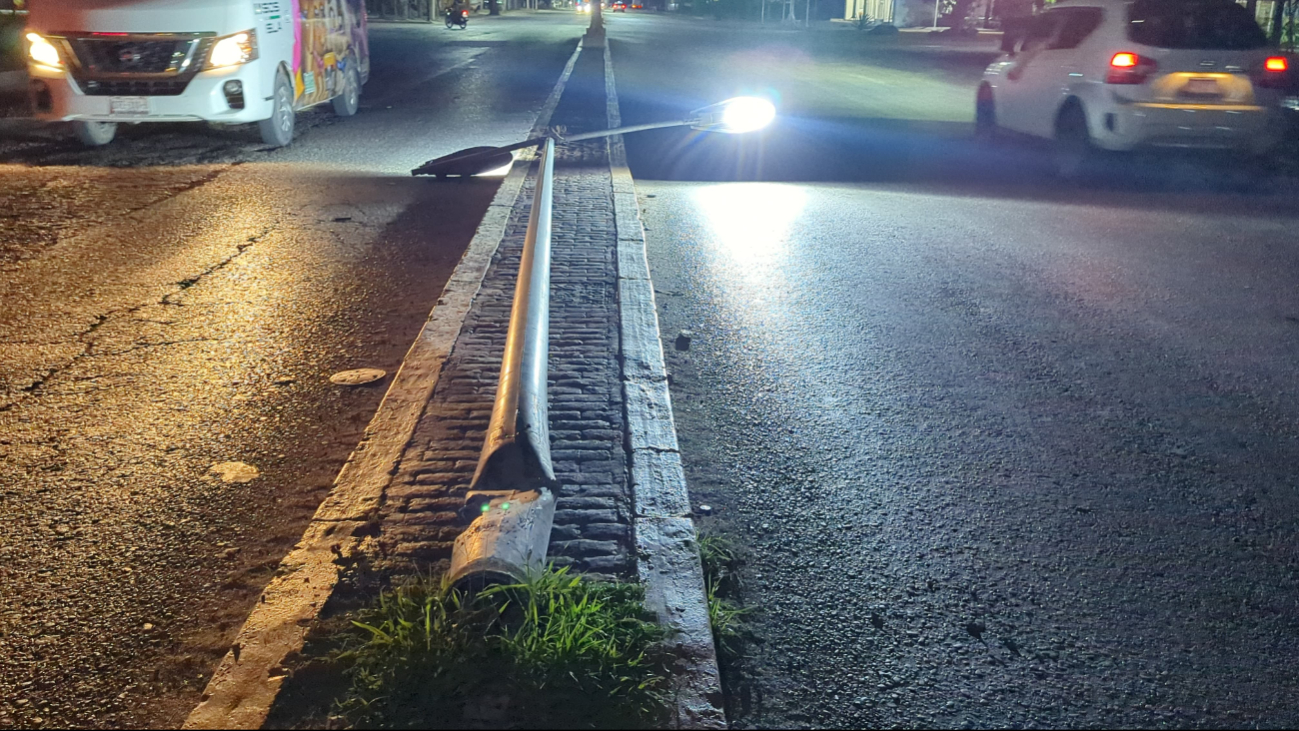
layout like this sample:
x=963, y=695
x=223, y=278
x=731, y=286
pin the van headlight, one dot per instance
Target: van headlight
x=43, y=52
x=233, y=50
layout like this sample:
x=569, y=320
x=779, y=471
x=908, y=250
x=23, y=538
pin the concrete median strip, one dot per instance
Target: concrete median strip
x=248, y=679
x=667, y=548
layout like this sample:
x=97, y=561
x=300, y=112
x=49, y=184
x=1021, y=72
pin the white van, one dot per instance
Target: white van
x=100, y=63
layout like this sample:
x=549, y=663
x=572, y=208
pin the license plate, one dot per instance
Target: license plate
x=128, y=105
x=1201, y=87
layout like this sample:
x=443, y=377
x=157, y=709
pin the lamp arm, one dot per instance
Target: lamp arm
x=457, y=161
x=625, y=130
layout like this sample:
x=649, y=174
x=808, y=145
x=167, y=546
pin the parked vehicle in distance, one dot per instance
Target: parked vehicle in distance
x=1123, y=75
x=101, y=63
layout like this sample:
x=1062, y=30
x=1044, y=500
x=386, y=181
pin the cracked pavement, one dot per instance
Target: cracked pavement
x=207, y=336
x=180, y=300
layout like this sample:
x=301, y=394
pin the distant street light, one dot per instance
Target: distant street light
x=734, y=116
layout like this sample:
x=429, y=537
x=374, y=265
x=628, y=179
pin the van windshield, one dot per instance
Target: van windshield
x=1207, y=25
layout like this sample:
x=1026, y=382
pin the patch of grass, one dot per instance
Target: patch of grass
x=721, y=561
x=556, y=651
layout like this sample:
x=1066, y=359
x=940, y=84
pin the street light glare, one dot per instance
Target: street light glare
x=746, y=114
x=735, y=116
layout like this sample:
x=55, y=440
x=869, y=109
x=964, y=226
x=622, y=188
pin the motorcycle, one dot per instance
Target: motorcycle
x=457, y=17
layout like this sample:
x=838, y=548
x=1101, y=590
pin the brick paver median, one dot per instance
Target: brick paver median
x=418, y=523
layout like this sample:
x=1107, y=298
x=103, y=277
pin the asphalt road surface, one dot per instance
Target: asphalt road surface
x=999, y=452
x=179, y=300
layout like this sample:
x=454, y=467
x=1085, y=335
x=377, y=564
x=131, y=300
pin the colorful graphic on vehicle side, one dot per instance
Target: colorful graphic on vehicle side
x=330, y=36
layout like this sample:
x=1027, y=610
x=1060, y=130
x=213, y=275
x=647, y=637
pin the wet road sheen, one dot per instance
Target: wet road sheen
x=993, y=463
x=999, y=452
x=179, y=300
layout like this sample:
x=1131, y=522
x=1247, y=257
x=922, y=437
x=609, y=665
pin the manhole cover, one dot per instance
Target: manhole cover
x=358, y=377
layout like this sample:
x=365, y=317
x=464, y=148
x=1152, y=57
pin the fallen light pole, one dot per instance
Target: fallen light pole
x=733, y=116
x=510, y=505
x=509, y=502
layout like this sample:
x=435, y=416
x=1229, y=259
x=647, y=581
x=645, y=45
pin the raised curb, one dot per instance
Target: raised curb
x=249, y=677
x=667, y=548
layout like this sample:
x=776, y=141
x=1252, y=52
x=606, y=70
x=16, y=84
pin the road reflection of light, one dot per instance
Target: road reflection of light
x=750, y=224
x=751, y=221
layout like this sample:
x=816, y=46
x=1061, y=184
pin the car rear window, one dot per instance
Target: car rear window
x=1076, y=25
x=1208, y=26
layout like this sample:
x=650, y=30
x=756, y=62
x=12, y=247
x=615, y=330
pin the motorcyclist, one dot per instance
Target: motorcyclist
x=459, y=9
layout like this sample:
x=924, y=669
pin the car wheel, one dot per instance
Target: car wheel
x=985, y=115
x=347, y=102
x=1074, y=152
x=95, y=134
x=278, y=130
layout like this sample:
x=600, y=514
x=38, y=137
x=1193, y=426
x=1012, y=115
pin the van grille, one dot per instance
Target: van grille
x=137, y=65
x=136, y=87
x=131, y=56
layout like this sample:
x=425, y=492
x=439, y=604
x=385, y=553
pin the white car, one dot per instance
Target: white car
x=1129, y=74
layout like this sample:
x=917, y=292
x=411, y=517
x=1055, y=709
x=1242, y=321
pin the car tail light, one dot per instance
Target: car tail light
x=1129, y=68
x=1273, y=74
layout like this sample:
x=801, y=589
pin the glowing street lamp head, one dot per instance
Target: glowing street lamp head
x=747, y=114
x=735, y=116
